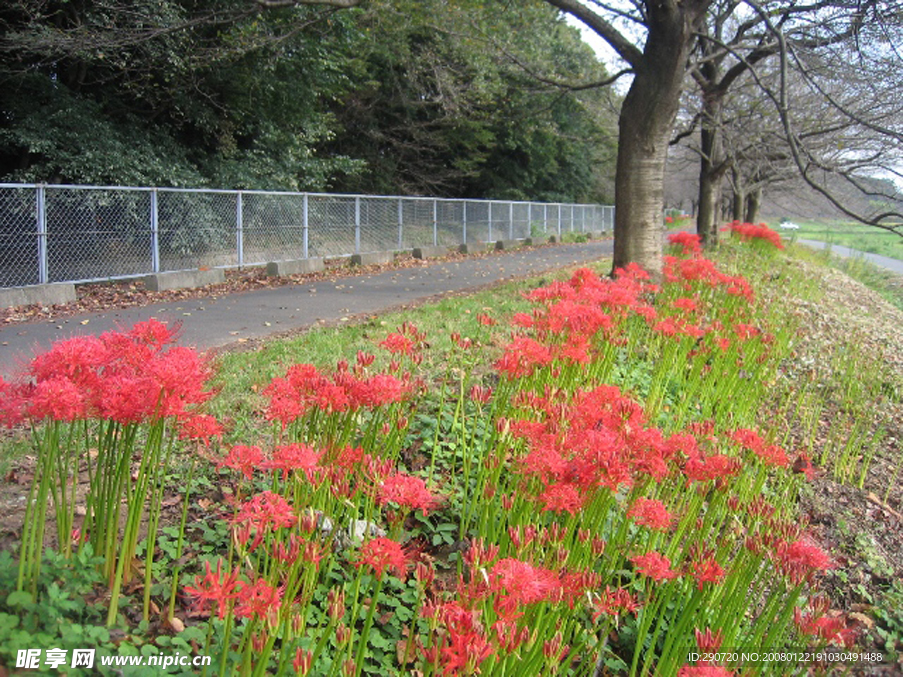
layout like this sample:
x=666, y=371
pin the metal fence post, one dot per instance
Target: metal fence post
x=490, y=221
x=305, y=235
x=239, y=230
x=400, y=223
x=545, y=219
x=42, y=234
x=510, y=220
x=357, y=225
x=559, y=222
x=155, y=231
x=435, y=223
x=464, y=221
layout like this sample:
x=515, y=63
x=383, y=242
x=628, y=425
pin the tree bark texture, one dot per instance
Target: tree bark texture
x=711, y=170
x=645, y=125
x=753, y=202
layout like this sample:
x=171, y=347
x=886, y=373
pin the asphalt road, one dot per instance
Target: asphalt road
x=893, y=265
x=216, y=322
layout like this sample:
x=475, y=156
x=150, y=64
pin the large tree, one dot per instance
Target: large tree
x=659, y=62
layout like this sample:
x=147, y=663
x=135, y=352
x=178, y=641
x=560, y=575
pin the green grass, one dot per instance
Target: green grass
x=243, y=373
x=888, y=285
x=849, y=234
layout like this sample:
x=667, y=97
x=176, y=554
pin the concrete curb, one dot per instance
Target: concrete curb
x=184, y=279
x=372, y=258
x=44, y=294
x=429, y=252
x=295, y=267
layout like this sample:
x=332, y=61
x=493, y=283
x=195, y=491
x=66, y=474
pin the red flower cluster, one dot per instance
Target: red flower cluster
x=124, y=376
x=305, y=388
x=407, y=491
x=769, y=454
x=599, y=439
x=654, y=565
x=757, y=231
x=649, y=512
x=816, y=623
x=689, y=242
x=260, y=515
x=381, y=554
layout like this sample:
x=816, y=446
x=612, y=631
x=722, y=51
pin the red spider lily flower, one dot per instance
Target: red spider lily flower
x=708, y=642
x=408, y=492
x=179, y=375
x=381, y=554
x=830, y=628
x=154, y=333
x=216, y=587
x=803, y=464
x=200, y=427
x=479, y=554
x=562, y=497
x=516, y=583
x=380, y=390
x=398, y=344
x=303, y=388
x=759, y=231
x=291, y=457
x=264, y=512
x=509, y=636
x=486, y=320
x=614, y=602
x=715, y=467
x=80, y=359
x=704, y=671
x=691, y=243
x=261, y=600
x=480, y=394
x=365, y=359
x=12, y=404
x=650, y=512
x=303, y=661
x=288, y=553
x=245, y=459
x=800, y=560
x=685, y=303
x=522, y=357
x=745, y=332
x=58, y=399
x=522, y=320
x=128, y=399
x=464, y=646
x=654, y=565
x=707, y=570
x=553, y=649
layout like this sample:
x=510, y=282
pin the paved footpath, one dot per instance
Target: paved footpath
x=893, y=265
x=214, y=322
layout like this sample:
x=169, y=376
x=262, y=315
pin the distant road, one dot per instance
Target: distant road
x=893, y=265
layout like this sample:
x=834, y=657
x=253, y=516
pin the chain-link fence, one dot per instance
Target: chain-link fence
x=52, y=233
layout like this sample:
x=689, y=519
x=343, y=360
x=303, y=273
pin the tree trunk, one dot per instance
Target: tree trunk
x=711, y=170
x=739, y=201
x=645, y=125
x=709, y=192
x=753, y=202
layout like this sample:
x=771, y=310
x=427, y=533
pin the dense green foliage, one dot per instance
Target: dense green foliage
x=393, y=98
